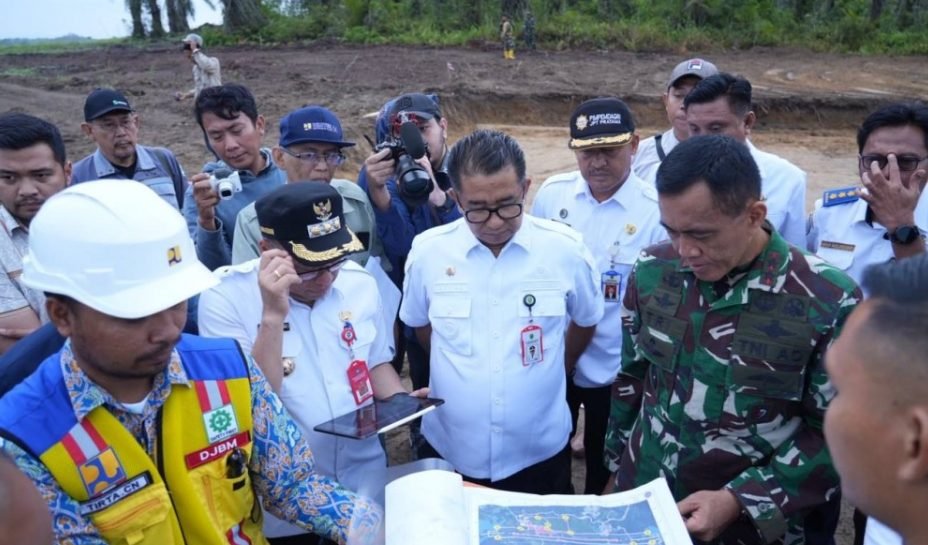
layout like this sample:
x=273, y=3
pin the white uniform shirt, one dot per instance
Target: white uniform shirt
x=878, y=533
x=500, y=416
x=625, y=223
x=841, y=235
x=784, y=188
x=647, y=160
x=318, y=389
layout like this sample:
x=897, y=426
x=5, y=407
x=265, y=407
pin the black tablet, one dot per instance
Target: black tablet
x=380, y=416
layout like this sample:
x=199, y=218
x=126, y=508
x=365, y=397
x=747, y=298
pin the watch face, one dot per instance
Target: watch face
x=906, y=234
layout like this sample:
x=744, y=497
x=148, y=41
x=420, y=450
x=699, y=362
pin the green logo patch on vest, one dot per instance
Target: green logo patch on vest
x=220, y=423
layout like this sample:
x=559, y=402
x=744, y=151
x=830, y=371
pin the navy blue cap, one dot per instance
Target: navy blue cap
x=311, y=124
x=103, y=101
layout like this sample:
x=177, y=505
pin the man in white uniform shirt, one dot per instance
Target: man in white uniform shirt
x=721, y=104
x=313, y=321
x=498, y=297
x=651, y=151
x=617, y=214
x=854, y=229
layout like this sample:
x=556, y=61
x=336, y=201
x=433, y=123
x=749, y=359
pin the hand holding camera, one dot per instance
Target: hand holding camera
x=413, y=182
x=209, y=189
x=226, y=183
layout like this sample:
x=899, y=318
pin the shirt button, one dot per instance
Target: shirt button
x=498, y=401
x=496, y=429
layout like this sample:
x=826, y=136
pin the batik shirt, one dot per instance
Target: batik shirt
x=723, y=384
x=282, y=467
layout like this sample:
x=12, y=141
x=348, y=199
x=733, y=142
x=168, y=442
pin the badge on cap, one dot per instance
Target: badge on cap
x=174, y=256
x=582, y=122
x=323, y=209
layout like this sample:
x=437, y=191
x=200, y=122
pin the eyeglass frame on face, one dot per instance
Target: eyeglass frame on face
x=314, y=274
x=312, y=157
x=906, y=163
x=497, y=210
x=111, y=127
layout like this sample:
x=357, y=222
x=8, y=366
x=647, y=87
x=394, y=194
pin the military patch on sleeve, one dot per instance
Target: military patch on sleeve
x=842, y=195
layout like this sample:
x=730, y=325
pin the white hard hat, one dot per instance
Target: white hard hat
x=115, y=246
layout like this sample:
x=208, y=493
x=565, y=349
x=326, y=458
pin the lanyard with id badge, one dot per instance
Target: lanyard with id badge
x=531, y=339
x=611, y=280
x=359, y=378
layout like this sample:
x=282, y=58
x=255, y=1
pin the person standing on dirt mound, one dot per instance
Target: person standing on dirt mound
x=499, y=297
x=507, y=37
x=528, y=32
x=228, y=114
x=112, y=124
x=616, y=212
x=652, y=150
x=723, y=389
x=885, y=218
x=721, y=104
x=206, y=71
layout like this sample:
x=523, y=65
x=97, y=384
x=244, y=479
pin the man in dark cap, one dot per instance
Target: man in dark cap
x=313, y=321
x=113, y=125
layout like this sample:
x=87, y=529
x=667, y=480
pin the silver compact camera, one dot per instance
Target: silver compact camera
x=225, y=182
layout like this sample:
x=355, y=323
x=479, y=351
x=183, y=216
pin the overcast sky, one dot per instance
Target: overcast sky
x=93, y=18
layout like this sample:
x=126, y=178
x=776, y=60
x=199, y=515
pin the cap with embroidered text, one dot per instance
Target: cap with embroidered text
x=423, y=106
x=308, y=219
x=103, y=101
x=311, y=124
x=600, y=123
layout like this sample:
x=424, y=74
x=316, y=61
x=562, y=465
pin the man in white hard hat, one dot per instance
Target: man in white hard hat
x=134, y=432
x=206, y=71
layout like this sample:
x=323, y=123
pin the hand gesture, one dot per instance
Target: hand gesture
x=708, y=513
x=892, y=200
x=275, y=276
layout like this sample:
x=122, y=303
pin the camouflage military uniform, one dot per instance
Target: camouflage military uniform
x=528, y=32
x=723, y=384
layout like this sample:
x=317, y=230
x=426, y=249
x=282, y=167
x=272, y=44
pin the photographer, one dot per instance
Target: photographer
x=206, y=71
x=229, y=116
x=400, y=216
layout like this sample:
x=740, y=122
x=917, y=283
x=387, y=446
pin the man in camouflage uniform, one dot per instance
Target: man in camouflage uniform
x=722, y=389
x=528, y=32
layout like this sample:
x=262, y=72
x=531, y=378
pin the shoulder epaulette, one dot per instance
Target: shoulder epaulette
x=841, y=195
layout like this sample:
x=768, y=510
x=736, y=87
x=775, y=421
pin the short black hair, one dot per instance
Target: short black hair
x=20, y=131
x=723, y=163
x=736, y=89
x=898, y=114
x=485, y=152
x=904, y=281
x=226, y=101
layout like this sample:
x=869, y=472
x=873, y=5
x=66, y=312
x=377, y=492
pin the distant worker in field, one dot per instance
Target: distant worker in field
x=528, y=33
x=206, y=72
x=506, y=36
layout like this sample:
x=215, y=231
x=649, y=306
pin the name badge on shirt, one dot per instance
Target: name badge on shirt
x=531, y=341
x=611, y=285
x=359, y=378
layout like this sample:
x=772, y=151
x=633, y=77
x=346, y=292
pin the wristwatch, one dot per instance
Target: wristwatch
x=904, y=234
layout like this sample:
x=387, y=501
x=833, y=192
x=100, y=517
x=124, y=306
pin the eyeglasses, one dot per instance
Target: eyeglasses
x=907, y=163
x=113, y=126
x=482, y=215
x=332, y=158
x=332, y=269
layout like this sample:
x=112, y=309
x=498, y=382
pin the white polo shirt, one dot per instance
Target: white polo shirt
x=647, y=161
x=841, y=235
x=501, y=415
x=625, y=223
x=784, y=188
x=318, y=389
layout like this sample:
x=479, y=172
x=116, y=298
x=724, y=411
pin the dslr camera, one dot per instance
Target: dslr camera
x=413, y=182
x=225, y=182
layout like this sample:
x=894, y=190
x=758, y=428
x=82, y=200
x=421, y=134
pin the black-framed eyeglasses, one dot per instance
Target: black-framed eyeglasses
x=313, y=274
x=331, y=158
x=505, y=212
x=907, y=163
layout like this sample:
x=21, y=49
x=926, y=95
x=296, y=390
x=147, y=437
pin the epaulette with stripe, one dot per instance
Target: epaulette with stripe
x=841, y=195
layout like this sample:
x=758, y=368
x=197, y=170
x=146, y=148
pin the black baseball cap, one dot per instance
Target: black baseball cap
x=308, y=219
x=600, y=123
x=419, y=104
x=103, y=101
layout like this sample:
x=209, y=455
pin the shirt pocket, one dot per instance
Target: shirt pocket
x=230, y=500
x=141, y=517
x=292, y=349
x=365, y=332
x=550, y=300
x=842, y=259
x=449, y=315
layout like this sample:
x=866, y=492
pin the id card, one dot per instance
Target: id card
x=531, y=341
x=359, y=378
x=611, y=286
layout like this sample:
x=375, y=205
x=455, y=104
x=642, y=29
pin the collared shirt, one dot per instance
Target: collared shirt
x=318, y=390
x=501, y=414
x=157, y=168
x=841, y=235
x=206, y=72
x=214, y=248
x=878, y=533
x=282, y=468
x=647, y=161
x=359, y=215
x=723, y=384
x=615, y=231
x=14, y=244
x=784, y=188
